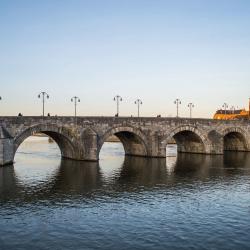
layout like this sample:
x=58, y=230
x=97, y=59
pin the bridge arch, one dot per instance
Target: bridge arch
x=188, y=138
x=61, y=135
x=235, y=139
x=133, y=140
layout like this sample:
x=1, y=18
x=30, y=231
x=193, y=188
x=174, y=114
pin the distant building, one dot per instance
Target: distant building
x=223, y=114
x=230, y=114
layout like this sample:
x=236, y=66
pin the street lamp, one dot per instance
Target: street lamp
x=75, y=99
x=190, y=105
x=225, y=106
x=117, y=98
x=43, y=94
x=233, y=109
x=138, y=102
x=177, y=102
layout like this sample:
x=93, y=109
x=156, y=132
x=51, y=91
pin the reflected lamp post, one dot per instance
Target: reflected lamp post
x=190, y=105
x=75, y=99
x=118, y=99
x=225, y=106
x=138, y=102
x=43, y=95
x=177, y=102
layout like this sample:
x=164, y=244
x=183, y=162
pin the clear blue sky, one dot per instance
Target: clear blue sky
x=157, y=50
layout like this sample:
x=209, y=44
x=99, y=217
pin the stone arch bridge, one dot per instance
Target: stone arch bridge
x=82, y=138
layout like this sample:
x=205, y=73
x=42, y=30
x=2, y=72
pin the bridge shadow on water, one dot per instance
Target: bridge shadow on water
x=88, y=180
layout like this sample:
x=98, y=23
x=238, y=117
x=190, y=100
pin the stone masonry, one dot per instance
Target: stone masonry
x=82, y=138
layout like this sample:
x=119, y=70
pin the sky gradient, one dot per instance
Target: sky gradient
x=158, y=50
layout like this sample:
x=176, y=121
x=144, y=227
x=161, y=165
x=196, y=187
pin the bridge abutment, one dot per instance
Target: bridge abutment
x=6, y=147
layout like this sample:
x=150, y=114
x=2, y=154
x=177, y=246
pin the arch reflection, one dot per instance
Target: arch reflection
x=77, y=177
x=77, y=181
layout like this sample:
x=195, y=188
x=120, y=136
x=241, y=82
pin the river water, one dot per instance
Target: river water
x=184, y=202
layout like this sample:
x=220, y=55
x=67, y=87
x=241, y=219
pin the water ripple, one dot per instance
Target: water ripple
x=124, y=202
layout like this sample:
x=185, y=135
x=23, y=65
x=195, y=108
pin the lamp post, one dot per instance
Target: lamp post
x=118, y=99
x=43, y=95
x=138, y=102
x=75, y=99
x=190, y=105
x=177, y=102
x=233, y=109
x=225, y=106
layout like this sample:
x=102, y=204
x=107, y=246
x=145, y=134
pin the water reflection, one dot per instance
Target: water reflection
x=73, y=178
x=37, y=162
x=142, y=171
x=77, y=177
x=123, y=202
x=111, y=159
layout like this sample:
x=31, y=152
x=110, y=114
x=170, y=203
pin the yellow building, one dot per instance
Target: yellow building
x=223, y=114
x=231, y=114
